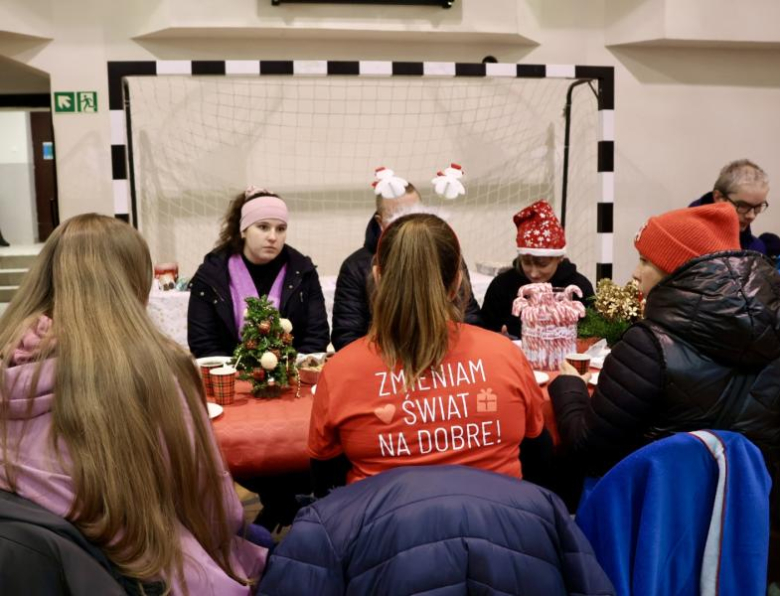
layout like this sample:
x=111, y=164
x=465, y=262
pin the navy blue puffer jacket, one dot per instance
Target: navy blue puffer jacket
x=435, y=530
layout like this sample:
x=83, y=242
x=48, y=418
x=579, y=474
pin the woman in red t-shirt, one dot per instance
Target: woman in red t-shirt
x=422, y=388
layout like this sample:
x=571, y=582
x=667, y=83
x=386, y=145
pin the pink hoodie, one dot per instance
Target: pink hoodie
x=43, y=480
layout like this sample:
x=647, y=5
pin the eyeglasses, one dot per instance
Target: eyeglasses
x=744, y=208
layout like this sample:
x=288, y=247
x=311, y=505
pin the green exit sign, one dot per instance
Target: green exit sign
x=75, y=101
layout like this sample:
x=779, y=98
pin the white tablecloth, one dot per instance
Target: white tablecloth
x=168, y=310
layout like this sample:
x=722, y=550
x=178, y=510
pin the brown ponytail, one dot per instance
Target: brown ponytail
x=417, y=294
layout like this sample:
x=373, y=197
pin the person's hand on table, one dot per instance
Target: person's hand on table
x=569, y=370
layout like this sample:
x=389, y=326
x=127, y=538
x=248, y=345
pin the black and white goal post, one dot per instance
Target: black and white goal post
x=187, y=136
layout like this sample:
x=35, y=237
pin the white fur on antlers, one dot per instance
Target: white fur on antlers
x=447, y=184
x=388, y=184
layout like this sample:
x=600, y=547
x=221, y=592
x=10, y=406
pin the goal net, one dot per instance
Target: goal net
x=315, y=140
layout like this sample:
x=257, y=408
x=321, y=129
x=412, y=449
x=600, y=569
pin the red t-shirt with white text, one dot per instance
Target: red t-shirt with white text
x=474, y=409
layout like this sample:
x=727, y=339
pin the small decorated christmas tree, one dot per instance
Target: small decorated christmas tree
x=265, y=355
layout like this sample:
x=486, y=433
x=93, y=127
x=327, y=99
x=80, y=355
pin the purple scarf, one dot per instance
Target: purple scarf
x=242, y=287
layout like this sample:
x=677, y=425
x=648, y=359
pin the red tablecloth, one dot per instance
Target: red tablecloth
x=263, y=437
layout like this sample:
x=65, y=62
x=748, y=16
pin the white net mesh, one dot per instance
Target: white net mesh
x=199, y=141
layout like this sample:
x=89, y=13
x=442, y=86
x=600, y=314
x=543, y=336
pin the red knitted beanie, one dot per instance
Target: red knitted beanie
x=674, y=238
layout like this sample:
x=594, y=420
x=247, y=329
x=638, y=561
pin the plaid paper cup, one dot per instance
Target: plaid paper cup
x=223, y=381
x=206, y=365
x=579, y=361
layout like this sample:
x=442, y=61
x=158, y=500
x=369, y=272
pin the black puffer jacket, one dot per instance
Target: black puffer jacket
x=706, y=356
x=502, y=291
x=211, y=328
x=351, y=309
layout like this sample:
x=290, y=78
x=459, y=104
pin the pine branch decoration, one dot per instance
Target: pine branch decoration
x=265, y=355
x=614, y=310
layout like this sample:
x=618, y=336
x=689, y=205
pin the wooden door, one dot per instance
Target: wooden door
x=45, y=173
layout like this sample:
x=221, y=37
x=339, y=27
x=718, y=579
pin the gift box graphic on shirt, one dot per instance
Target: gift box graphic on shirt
x=487, y=401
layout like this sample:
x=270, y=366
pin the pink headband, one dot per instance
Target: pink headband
x=260, y=208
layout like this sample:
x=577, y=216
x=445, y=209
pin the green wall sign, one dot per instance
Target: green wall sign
x=75, y=101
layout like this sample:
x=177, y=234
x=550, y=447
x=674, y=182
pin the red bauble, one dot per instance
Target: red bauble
x=258, y=374
x=251, y=344
x=287, y=338
x=276, y=353
x=264, y=327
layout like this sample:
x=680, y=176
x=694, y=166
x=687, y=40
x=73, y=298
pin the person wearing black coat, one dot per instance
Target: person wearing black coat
x=351, y=302
x=211, y=318
x=251, y=258
x=502, y=292
x=541, y=246
x=706, y=355
x=441, y=530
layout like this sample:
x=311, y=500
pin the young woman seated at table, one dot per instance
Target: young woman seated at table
x=541, y=250
x=103, y=419
x=251, y=259
x=705, y=356
x=423, y=387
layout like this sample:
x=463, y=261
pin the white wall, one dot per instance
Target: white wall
x=17, y=186
x=681, y=112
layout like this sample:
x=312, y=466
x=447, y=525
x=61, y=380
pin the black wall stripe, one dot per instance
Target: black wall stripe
x=604, y=218
x=606, y=156
x=118, y=163
x=408, y=68
x=337, y=67
x=531, y=71
x=276, y=67
x=603, y=270
x=606, y=79
x=469, y=70
x=208, y=67
x=125, y=217
x=118, y=70
x=25, y=100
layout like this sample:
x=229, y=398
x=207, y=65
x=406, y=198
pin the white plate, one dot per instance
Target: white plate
x=541, y=378
x=214, y=409
x=594, y=378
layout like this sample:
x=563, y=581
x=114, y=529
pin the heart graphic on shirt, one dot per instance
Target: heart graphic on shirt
x=385, y=413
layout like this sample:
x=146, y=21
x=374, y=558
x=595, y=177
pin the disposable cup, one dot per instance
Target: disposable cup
x=223, y=381
x=579, y=361
x=206, y=365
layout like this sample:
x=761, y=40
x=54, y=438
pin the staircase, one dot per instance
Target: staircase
x=15, y=261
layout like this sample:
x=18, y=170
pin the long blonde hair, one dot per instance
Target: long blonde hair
x=417, y=294
x=137, y=468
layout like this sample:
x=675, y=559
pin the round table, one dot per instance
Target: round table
x=266, y=437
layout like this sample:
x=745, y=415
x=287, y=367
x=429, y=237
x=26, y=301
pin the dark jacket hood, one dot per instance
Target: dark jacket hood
x=373, y=232
x=565, y=275
x=726, y=305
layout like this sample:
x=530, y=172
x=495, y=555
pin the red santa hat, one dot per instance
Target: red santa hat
x=539, y=233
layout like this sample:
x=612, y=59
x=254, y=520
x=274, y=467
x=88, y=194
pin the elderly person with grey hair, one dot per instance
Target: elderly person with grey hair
x=745, y=185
